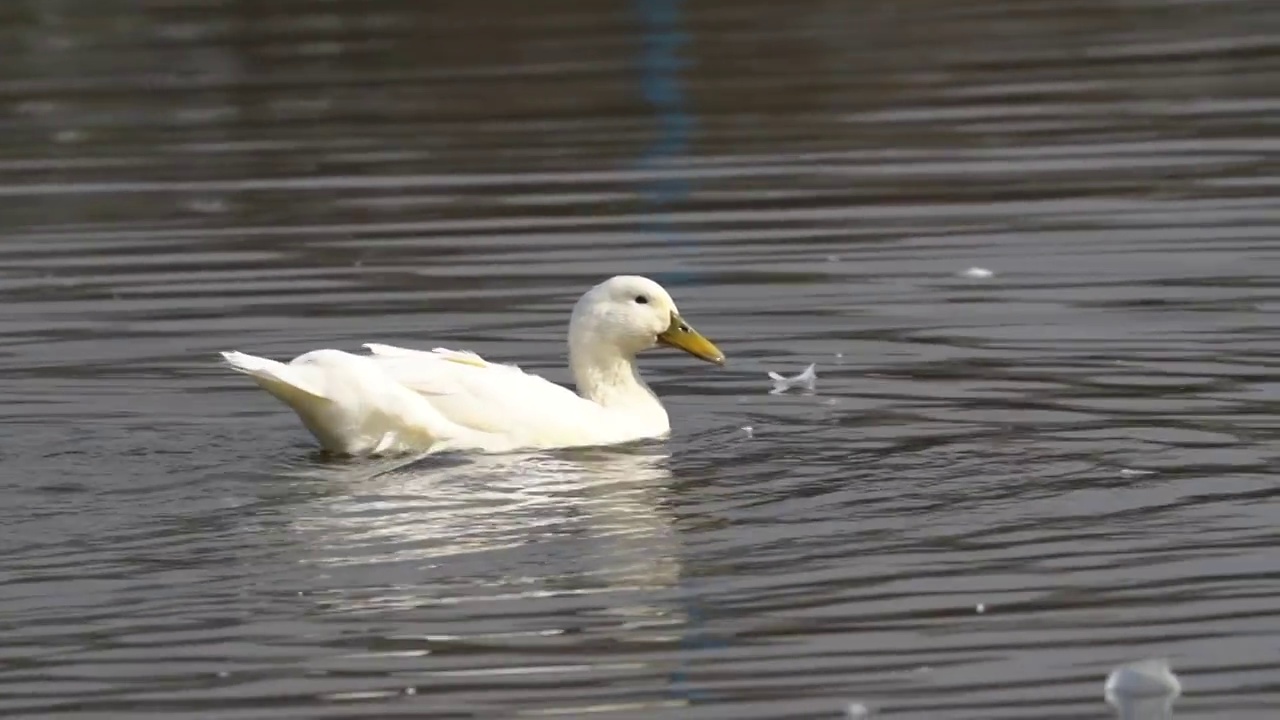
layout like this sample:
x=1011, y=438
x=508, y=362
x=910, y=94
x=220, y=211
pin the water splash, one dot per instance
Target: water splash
x=1143, y=690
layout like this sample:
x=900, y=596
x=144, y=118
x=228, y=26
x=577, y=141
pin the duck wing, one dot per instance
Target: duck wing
x=493, y=398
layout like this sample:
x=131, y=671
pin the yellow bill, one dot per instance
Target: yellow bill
x=680, y=335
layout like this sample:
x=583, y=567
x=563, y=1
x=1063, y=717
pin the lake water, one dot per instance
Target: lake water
x=1082, y=445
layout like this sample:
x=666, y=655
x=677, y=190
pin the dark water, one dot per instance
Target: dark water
x=1084, y=443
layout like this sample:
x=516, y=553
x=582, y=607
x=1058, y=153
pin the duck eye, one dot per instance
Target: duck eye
x=642, y=299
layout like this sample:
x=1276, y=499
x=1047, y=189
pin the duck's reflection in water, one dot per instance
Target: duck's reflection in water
x=450, y=530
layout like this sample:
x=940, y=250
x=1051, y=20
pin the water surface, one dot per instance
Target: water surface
x=1082, y=444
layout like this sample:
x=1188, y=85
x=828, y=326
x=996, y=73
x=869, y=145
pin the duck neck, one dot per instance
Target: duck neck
x=610, y=379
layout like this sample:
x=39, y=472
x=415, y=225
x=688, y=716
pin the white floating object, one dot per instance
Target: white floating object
x=977, y=273
x=750, y=431
x=1143, y=690
x=68, y=136
x=1130, y=472
x=981, y=608
x=207, y=206
x=805, y=380
x=857, y=711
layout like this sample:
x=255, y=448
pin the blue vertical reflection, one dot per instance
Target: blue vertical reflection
x=660, y=66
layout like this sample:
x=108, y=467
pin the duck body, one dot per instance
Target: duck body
x=397, y=400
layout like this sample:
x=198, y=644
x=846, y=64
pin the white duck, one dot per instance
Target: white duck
x=399, y=400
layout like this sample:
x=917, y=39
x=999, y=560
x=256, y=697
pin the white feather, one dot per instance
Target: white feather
x=806, y=380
